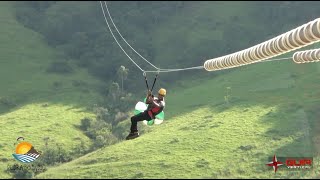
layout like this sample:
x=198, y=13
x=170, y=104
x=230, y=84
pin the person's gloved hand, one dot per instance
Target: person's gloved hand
x=150, y=98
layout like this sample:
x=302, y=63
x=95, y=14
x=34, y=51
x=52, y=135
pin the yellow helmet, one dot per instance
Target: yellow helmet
x=162, y=92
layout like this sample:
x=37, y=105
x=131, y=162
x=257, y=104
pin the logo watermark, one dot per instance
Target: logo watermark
x=291, y=163
x=25, y=152
x=26, y=167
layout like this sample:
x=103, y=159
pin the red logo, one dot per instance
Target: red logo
x=275, y=163
x=292, y=163
x=304, y=163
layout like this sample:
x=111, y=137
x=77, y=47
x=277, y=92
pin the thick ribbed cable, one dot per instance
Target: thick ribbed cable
x=307, y=56
x=299, y=37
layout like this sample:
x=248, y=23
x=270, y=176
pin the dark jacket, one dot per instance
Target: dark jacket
x=155, y=106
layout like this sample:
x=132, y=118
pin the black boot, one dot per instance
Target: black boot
x=132, y=135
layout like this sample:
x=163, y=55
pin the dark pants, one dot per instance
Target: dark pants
x=139, y=117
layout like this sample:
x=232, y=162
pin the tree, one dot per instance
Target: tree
x=123, y=74
x=114, y=91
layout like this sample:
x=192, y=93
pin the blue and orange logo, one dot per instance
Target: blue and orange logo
x=25, y=152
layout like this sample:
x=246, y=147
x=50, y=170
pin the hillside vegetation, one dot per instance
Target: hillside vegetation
x=36, y=104
x=59, y=62
x=273, y=109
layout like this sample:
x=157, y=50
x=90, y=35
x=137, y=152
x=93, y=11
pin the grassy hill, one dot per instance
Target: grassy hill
x=273, y=109
x=36, y=104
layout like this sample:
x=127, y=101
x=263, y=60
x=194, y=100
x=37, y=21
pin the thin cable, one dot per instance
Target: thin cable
x=196, y=67
x=173, y=70
x=276, y=59
x=201, y=67
x=117, y=40
x=125, y=39
x=159, y=70
x=181, y=69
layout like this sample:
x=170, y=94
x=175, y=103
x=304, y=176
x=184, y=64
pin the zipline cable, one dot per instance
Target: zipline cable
x=227, y=63
x=125, y=39
x=279, y=59
x=299, y=37
x=158, y=69
x=173, y=70
x=117, y=40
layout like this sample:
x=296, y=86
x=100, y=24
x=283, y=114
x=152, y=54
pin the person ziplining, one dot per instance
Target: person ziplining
x=149, y=110
x=155, y=107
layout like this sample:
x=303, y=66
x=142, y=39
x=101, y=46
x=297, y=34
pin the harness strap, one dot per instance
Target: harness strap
x=146, y=80
x=155, y=79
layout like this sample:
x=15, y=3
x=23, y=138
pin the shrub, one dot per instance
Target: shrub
x=54, y=155
x=85, y=123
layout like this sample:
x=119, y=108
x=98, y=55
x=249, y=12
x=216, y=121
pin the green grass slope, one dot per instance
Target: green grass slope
x=272, y=110
x=43, y=110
